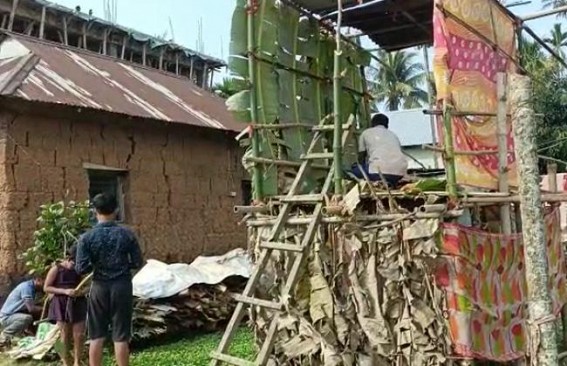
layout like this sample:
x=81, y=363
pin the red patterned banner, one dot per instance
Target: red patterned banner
x=465, y=66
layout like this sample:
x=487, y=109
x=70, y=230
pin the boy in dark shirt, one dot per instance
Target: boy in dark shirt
x=112, y=252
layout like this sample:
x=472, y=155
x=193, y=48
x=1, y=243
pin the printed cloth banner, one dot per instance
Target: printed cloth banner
x=484, y=279
x=465, y=67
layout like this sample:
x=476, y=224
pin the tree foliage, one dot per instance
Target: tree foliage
x=549, y=100
x=60, y=225
x=228, y=87
x=399, y=80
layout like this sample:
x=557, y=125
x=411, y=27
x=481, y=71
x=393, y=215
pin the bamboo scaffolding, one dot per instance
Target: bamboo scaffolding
x=299, y=220
x=337, y=84
x=449, y=151
x=257, y=168
x=503, y=184
x=544, y=45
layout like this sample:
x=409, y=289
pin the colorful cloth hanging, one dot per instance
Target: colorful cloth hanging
x=474, y=40
x=484, y=278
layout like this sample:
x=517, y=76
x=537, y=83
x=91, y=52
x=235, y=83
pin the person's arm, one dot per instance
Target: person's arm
x=83, y=264
x=362, y=155
x=28, y=297
x=49, y=287
x=136, y=260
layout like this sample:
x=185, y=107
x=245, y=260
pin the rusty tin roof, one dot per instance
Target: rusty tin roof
x=36, y=70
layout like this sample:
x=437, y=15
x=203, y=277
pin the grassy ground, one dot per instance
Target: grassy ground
x=190, y=351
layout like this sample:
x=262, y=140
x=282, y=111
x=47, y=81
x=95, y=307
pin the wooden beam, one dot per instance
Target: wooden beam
x=144, y=53
x=65, y=33
x=177, y=63
x=13, y=14
x=124, y=43
x=105, y=42
x=204, y=77
x=42, y=23
x=84, y=29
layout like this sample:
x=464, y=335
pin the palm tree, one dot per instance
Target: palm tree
x=227, y=87
x=555, y=4
x=532, y=57
x=557, y=39
x=399, y=80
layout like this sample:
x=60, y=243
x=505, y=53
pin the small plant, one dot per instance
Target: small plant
x=60, y=225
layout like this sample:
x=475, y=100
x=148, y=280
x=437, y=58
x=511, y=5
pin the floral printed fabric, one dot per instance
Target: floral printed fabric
x=465, y=67
x=484, y=278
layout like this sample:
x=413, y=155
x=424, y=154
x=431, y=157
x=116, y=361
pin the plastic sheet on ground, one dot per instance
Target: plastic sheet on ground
x=159, y=280
x=39, y=346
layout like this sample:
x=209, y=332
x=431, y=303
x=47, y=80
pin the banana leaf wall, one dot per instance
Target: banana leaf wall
x=294, y=73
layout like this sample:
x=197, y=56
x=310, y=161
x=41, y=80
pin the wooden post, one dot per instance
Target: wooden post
x=85, y=36
x=177, y=63
x=12, y=14
x=541, y=333
x=104, y=41
x=191, y=69
x=29, y=29
x=212, y=77
x=124, y=43
x=65, y=34
x=144, y=52
x=161, y=58
x=204, y=77
x=502, y=118
x=42, y=23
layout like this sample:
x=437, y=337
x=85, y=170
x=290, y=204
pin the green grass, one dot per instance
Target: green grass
x=190, y=351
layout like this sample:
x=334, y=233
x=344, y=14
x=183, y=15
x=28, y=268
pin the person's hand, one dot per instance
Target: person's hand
x=70, y=293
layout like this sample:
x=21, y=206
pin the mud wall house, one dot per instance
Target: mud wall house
x=74, y=123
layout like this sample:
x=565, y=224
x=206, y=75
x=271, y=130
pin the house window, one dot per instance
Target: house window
x=110, y=182
x=246, y=187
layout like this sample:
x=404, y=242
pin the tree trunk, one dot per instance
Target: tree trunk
x=541, y=328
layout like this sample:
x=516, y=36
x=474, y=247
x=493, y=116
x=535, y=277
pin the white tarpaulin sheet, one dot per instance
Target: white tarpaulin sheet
x=159, y=280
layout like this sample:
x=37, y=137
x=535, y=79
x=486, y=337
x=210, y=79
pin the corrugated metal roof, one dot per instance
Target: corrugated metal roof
x=391, y=24
x=412, y=127
x=35, y=70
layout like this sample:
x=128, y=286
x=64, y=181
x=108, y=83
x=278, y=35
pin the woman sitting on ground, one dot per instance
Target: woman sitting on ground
x=67, y=309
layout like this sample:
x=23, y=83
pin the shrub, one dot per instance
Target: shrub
x=60, y=225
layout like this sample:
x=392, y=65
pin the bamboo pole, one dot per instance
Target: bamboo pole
x=431, y=102
x=191, y=69
x=503, y=185
x=123, y=52
x=545, y=13
x=337, y=135
x=85, y=36
x=449, y=151
x=42, y=22
x=541, y=333
x=204, y=76
x=105, y=42
x=144, y=53
x=258, y=190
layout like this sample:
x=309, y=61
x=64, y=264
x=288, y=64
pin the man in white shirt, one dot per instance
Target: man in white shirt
x=380, y=151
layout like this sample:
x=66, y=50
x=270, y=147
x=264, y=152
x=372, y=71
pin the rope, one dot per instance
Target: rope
x=534, y=336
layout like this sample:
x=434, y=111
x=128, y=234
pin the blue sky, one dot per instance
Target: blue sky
x=152, y=17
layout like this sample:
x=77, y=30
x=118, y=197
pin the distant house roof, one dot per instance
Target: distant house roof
x=36, y=70
x=412, y=127
x=136, y=35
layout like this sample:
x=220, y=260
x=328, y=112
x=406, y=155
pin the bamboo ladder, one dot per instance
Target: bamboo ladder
x=292, y=199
